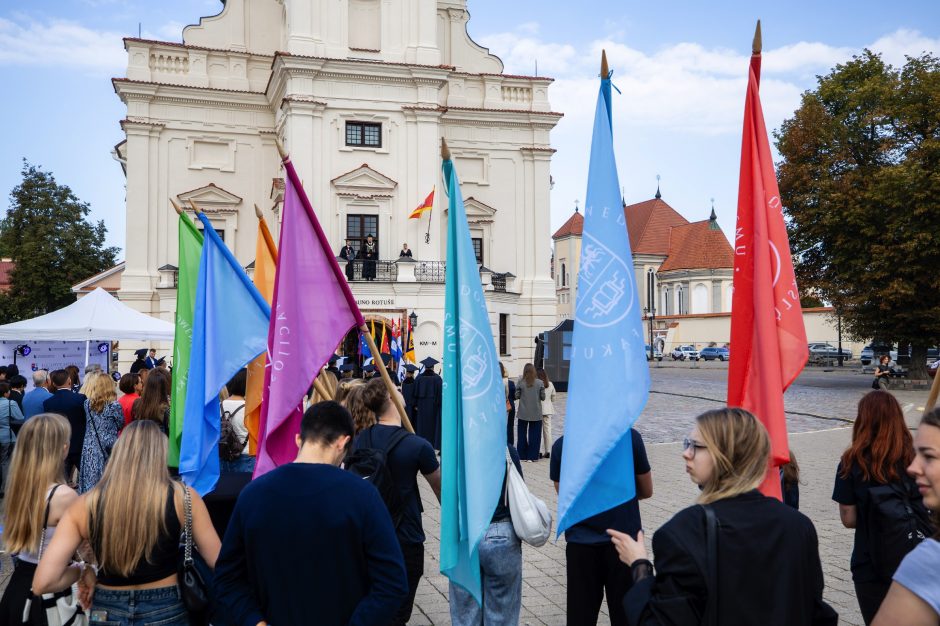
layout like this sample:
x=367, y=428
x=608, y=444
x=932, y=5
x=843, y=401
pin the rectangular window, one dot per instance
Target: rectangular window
x=218, y=231
x=503, y=334
x=478, y=249
x=358, y=227
x=365, y=134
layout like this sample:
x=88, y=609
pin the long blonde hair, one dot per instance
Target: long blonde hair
x=99, y=389
x=37, y=464
x=126, y=508
x=740, y=449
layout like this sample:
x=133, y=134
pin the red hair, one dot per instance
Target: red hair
x=881, y=441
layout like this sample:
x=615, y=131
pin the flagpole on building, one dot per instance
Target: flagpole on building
x=376, y=355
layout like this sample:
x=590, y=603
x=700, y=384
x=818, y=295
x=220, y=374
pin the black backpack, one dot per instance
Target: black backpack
x=371, y=464
x=897, y=522
x=230, y=446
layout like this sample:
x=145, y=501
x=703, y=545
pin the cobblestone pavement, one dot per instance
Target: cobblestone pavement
x=820, y=405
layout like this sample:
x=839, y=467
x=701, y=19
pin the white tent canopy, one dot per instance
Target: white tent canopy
x=99, y=315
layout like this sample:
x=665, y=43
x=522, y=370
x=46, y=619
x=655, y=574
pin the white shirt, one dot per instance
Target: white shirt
x=238, y=420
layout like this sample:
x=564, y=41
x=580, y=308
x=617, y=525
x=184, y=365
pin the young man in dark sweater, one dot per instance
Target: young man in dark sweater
x=309, y=543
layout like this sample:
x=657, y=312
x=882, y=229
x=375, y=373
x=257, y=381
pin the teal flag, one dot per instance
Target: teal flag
x=190, y=249
x=607, y=348
x=230, y=328
x=473, y=443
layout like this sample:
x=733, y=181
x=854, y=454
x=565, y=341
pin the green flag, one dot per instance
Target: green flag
x=190, y=246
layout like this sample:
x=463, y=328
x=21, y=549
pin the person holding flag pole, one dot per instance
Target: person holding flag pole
x=473, y=450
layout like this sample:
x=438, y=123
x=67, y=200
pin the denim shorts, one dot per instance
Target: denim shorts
x=138, y=607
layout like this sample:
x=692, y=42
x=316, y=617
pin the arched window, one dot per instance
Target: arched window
x=564, y=276
x=700, y=299
x=680, y=301
x=667, y=301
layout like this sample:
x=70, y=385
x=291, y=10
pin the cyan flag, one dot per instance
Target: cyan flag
x=608, y=351
x=230, y=328
x=473, y=442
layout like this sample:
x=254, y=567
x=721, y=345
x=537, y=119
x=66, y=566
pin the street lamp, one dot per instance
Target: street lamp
x=650, y=309
x=413, y=318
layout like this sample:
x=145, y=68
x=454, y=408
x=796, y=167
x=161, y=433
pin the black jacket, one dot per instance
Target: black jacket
x=768, y=568
x=71, y=405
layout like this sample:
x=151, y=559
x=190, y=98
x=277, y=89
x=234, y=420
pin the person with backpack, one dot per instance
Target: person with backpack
x=387, y=452
x=234, y=454
x=877, y=498
x=914, y=596
x=737, y=556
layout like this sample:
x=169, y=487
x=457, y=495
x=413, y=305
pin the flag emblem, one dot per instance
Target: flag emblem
x=605, y=291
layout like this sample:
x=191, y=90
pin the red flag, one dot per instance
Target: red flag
x=385, y=349
x=427, y=205
x=768, y=340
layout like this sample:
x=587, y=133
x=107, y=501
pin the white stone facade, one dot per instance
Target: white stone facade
x=202, y=118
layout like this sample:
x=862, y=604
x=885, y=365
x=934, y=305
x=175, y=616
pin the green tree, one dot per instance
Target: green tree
x=860, y=180
x=52, y=244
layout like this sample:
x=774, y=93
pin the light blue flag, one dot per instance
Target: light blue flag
x=230, y=328
x=473, y=442
x=608, y=351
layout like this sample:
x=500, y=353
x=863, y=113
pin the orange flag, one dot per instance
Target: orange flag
x=265, y=264
x=424, y=206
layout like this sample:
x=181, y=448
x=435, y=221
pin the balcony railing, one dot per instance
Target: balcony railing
x=430, y=271
x=499, y=282
x=381, y=271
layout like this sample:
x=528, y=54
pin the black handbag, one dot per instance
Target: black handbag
x=194, y=588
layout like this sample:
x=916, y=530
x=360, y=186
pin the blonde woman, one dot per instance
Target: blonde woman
x=104, y=417
x=37, y=482
x=749, y=582
x=133, y=519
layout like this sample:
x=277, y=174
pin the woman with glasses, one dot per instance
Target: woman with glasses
x=765, y=568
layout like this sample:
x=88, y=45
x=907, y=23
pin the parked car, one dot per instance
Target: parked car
x=870, y=353
x=681, y=353
x=714, y=352
x=657, y=354
x=823, y=352
x=932, y=368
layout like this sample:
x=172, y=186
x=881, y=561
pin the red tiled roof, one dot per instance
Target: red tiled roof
x=649, y=224
x=574, y=226
x=698, y=246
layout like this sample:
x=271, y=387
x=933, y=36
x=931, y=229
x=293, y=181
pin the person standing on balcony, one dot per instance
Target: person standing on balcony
x=369, y=254
x=349, y=253
x=405, y=251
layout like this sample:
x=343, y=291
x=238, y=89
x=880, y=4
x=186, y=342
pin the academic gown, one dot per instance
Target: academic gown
x=408, y=393
x=428, y=389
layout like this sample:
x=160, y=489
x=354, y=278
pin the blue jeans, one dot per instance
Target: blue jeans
x=244, y=463
x=501, y=576
x=139, y=607
x=529, y=439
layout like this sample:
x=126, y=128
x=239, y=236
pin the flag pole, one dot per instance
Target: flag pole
x=340, y=277
x=266, y=233
x=934, y=392
x=176, y=207
x=321, y=388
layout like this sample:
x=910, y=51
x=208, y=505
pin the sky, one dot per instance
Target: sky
x=681, y=68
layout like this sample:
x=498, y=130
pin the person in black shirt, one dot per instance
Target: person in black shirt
x=591, y=559
x=405, y=460
x=404, y=251
x=881, y=449
x=349, y=253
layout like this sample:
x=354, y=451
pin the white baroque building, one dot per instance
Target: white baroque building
x=360, y=92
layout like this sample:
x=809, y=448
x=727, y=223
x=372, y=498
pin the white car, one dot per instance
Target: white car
x=682, y=353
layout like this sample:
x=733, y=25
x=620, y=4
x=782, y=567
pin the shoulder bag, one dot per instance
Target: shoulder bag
x=52, y=609
x=711, y=565
x=194, y=589
x=531, y=518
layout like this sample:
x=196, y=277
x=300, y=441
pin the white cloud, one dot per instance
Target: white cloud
x=60, y=43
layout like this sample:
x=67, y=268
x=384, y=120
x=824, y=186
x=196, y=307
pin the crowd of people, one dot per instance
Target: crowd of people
x=94, y=517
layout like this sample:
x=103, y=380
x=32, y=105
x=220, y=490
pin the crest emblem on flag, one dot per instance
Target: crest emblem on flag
x=605, y=288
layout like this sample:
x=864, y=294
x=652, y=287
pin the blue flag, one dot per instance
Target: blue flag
x=230, y=328
x=473, y=442
x=608, y=351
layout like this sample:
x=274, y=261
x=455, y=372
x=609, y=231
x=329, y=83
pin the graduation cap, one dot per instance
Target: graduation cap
x=346, y=367
x=141, y=353
x=429, y=362
x=410, y=368
x=161, y=361
x=116, y=376
x=333, y=359
x=368, y=368
x=386, y=359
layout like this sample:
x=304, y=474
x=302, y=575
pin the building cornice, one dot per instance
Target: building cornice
x=130, y=90
x=186, y=46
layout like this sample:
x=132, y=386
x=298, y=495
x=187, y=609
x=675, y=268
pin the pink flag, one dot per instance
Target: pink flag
x=311, y=312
